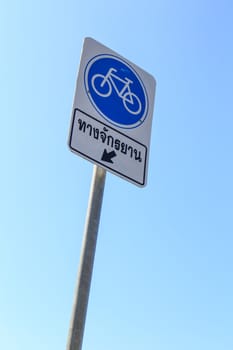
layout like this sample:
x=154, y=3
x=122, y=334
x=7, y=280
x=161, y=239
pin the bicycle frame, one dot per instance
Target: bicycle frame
x=110, y=75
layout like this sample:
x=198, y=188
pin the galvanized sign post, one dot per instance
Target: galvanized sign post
x=79, y=311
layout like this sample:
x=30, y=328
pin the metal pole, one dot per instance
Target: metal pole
x=79, y=311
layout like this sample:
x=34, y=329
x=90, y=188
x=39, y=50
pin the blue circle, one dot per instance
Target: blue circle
x=116, y=91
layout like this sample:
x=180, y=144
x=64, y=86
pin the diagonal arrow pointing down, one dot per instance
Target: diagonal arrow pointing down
x=107, y=157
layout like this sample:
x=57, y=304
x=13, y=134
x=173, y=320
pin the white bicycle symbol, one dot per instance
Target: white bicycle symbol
x=103, y=84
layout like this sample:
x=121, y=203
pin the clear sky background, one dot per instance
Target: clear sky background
x=163, y=269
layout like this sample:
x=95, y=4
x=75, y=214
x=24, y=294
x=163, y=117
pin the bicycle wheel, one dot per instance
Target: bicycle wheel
x=101, y=85
x=132, y=103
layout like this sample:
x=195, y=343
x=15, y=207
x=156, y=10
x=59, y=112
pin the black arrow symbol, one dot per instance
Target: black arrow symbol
x=107, y=157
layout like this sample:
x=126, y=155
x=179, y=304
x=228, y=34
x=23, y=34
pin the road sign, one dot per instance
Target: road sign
x=112, y=113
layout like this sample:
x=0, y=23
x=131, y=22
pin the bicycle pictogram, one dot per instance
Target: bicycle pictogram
x=116, y=91
x=103, y=85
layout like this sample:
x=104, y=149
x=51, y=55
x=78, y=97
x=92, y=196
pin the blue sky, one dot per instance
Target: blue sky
x=163, y=269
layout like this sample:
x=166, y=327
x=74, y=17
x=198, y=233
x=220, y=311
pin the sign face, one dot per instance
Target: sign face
x=112, y=113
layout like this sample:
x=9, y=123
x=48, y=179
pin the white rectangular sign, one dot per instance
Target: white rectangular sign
x=112, y=113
